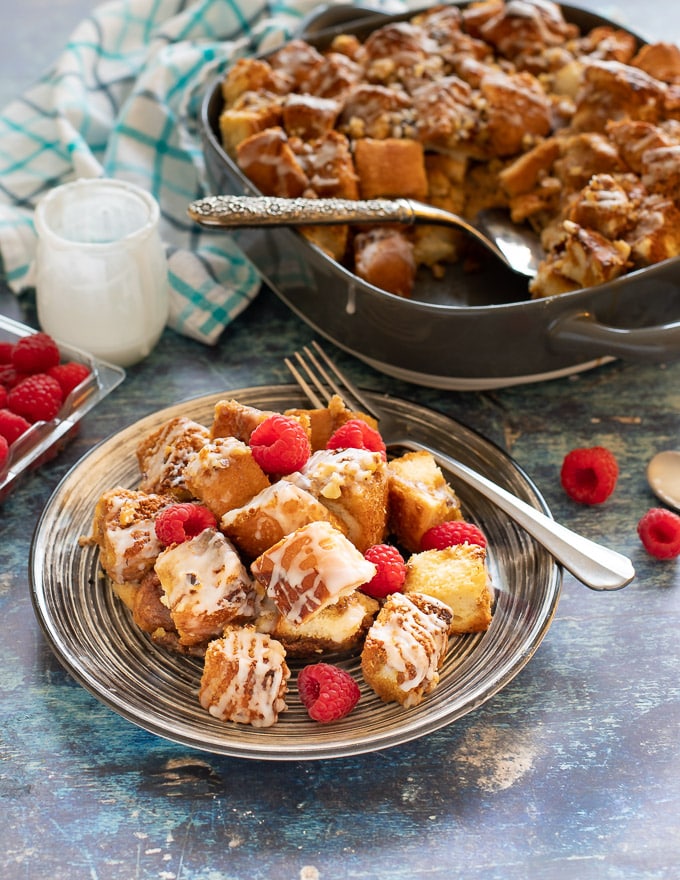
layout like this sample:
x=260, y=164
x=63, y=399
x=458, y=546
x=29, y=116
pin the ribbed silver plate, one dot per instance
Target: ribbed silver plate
x=93, y=636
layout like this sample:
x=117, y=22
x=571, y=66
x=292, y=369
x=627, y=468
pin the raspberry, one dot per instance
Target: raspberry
x=35, y=353
x=448, y=534
x=179, y=522
x=659, y=531
x=3, y=396
x=10, y=376
x=12, y=426
x=390, y=574
x=327, y=692
x=589, y=475
x=356, y=434
x=6, y=349
x=4, y=451
x=36, y=398
x=280, y=445
x=69, y=375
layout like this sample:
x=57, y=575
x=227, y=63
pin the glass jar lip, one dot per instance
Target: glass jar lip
x=94, y=185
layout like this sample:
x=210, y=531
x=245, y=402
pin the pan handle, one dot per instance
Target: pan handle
x=581, y=332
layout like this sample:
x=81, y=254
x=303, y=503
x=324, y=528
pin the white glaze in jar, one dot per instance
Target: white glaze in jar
x=101, y=270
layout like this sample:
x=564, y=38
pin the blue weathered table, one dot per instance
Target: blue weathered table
x=571, y=772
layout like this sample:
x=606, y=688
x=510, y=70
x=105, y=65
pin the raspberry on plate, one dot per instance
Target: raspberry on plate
x=12, y=426
x=327, y=692
x=69, y=375
x=280, y=445
x=390, y=574
x=35, y=353
x=36, y=398
x=448, y=534
x=589, y=475
x=356, y=434
x=659, y=531
x=179, y=522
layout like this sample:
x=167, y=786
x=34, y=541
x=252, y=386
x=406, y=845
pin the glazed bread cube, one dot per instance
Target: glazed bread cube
x=206, y=586
x=165, y=453
x=244, y=678
x=405, y=648
x=309, y=569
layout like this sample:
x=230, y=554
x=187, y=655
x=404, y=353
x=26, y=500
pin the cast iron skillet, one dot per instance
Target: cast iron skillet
x=465, y=331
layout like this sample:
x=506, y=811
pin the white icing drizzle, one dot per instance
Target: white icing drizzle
x=204, y=576
x=244, y=679
x=414, y=642
x=310, y=568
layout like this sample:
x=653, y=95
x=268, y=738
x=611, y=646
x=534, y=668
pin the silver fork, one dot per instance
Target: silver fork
x=598, y=567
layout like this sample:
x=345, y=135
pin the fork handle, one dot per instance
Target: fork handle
x=598, y=567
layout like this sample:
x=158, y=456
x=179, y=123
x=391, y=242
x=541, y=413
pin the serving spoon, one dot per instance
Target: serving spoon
x=663, y=476
x=516, y=246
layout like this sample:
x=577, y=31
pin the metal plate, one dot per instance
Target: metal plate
x=92, y=634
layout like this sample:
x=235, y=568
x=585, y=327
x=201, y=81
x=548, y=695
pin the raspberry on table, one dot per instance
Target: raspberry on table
x=659, y=531
x=36, y=398
x=4, y=451
x=327, y=692
x=69, y=375
x=12, y=426
x=180, y=522
x=448, y=534
x=35, y=353
x=357, y=434
x=6, y=349
x=390, y=574
x=280, y=445
x=589, y=475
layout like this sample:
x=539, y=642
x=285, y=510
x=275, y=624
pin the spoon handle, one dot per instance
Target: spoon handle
x=247, y=211
x=230, y=211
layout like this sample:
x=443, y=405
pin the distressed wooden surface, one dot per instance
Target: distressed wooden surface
x=571, y=772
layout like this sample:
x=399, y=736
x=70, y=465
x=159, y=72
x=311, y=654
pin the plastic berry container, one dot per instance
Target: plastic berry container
x=43, y=440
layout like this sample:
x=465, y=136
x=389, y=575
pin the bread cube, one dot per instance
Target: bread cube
x=419, y=498
x=458, y=577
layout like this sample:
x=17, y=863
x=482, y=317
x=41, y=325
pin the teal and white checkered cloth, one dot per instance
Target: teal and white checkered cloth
x=123, y=100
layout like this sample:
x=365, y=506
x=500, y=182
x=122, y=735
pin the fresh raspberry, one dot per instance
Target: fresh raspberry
x=12, y=426
x=179, y=522
x=356, y=434
x=448, y=534
x=3, y=396
x=36, y=398
x=6, y=349
x=659, y=531
x=4, y=451
x=69, y=375
x=280, y=445
x=589, y=475
x=390, y=574
x=35, y=353
x=10, y=376
x=327, y=692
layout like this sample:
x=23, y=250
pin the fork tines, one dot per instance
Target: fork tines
x=319, y=374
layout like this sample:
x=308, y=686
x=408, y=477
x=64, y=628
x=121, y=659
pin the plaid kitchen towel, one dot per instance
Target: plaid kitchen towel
x=123, y=100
